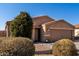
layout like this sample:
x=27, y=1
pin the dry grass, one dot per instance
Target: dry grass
x=16, y=46
x=64, y=47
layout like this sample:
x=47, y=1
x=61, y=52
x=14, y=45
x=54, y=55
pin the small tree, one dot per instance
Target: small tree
x=21, y=26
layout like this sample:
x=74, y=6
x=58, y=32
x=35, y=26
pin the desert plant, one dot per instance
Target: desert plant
x=64, y=47
x=17, y=47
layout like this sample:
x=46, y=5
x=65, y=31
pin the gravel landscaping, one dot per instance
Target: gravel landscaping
x=45, y=48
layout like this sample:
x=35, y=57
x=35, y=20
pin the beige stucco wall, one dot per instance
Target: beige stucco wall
x=34, y=34
x=76, y=32
x=7, y=30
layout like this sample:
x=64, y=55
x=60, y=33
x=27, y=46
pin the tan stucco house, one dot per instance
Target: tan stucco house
x=46, y=29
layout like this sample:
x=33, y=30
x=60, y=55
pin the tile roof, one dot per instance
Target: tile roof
x=38, y=21
x=77, y=26
x=54, y=22
x=59, y=24
x=42, y=17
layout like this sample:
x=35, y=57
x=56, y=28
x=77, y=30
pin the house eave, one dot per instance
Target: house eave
x=62, y=28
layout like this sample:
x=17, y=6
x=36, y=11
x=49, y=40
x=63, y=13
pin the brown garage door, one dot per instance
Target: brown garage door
x=59, y=34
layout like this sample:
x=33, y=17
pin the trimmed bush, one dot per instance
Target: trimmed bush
x=64, y=47
x=17, y=47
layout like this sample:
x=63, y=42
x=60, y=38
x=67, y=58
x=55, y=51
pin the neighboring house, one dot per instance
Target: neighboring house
x=46, y=29
x=76, y=30
x=2, y=34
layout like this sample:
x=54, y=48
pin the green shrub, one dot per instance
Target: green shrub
x=64, y=47
x=17, y=47
x=21, y=25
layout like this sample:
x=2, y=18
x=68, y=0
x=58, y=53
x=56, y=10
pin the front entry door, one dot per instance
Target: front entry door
x=39, y=35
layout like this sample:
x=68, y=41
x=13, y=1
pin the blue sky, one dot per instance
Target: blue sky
x=68, y=12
